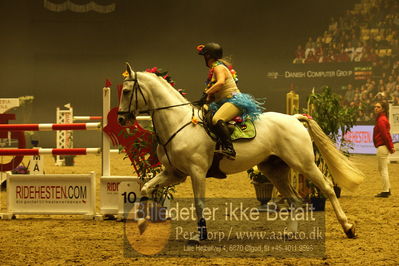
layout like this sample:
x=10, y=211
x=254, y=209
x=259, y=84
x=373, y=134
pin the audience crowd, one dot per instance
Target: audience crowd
x=368, y=33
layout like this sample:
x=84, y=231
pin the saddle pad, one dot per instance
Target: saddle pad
x=245, y=130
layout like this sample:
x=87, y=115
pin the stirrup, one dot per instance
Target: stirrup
x=227, y=153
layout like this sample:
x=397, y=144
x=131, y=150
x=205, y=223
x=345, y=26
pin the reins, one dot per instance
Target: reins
x=172, y=136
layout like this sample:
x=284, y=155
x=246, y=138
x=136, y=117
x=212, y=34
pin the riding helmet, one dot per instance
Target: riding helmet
x=211, y=49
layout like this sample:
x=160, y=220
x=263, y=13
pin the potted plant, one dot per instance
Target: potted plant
x=158, y=209
x=335, y=120
x=315, y=197
x=263, y=187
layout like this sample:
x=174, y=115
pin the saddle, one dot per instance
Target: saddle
x=239, y=130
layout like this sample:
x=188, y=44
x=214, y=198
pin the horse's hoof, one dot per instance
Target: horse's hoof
x=193, y=242
x=350, y=233
x=142, y=225
x=144, y=191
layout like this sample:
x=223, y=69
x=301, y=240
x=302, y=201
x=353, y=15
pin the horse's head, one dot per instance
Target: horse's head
x=132, y=99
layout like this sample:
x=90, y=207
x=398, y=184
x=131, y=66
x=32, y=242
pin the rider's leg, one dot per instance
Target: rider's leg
x=225, y=113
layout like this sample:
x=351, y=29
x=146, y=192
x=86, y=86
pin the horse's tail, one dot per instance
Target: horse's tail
x=344, y=172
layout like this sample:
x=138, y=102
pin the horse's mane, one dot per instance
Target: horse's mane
x=158, y=79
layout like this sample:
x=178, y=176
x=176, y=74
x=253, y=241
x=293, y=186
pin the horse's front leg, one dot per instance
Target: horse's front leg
x=165, y=178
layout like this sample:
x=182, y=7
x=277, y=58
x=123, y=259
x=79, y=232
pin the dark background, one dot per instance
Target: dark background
x=65, y=57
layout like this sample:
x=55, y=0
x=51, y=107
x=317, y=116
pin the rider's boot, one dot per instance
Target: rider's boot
x=224, y=135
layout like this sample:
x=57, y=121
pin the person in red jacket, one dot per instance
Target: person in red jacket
x=383, y=142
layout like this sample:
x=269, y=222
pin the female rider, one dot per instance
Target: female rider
x=226, y=100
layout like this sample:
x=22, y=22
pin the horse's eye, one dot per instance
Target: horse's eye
x=126, y=92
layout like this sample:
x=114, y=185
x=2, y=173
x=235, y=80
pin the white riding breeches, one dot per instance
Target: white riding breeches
x=226, y=112
x=382, y=156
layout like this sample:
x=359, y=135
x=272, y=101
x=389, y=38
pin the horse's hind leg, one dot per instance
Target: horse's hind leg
x=326, y=188
x=277, y=171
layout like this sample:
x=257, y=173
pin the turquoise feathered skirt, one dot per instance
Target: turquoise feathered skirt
x=249, y=106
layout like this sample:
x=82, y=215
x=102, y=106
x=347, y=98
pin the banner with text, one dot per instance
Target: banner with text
x=51, y=194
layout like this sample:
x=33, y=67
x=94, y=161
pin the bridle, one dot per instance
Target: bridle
x=130, y=114
x=136, y=88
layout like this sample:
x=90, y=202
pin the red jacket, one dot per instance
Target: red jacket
x=381, y=134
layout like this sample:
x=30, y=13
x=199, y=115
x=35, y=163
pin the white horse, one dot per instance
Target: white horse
x=185, y=149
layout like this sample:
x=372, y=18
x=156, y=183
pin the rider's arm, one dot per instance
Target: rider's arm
x=220, y=76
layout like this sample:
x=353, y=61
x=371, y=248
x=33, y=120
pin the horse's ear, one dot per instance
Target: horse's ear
x=129, y=69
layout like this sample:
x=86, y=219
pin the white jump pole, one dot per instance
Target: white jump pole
x=87, y=118
x=49, y=127
x=41, y=151
x=91, y=118
x=106, y=169
x=143, y=118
